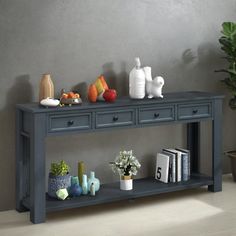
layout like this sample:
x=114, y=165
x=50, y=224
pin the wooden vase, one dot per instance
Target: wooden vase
x=46, y=88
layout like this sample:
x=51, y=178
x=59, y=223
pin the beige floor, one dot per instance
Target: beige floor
x=192, y=212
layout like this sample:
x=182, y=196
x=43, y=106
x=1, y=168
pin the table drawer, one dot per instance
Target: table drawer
x=194, y=111
x=153, y=114
x=115, y=118
x=76, y=121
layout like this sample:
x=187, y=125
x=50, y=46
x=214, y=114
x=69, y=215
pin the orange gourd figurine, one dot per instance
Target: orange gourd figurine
x=92, y=93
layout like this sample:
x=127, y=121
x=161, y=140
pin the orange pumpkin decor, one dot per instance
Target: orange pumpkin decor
x=92, y=93
x=98, y=89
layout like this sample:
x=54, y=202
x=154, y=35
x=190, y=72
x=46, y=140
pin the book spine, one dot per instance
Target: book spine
x=173, y=168
x=185, y=169
x=179, y=175
x=189, y=165
x=170, y=179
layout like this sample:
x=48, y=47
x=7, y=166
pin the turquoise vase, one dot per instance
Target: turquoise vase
x=74, y=180
x=93, y=180
x=85, y=185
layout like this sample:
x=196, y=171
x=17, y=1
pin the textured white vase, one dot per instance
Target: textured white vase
x=126, y=184
x=137, y=81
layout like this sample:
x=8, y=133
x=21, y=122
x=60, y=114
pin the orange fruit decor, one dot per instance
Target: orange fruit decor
x=77, y=95
x=104, y=83
x=64, y=95
x=92, y=93
x=71, y=95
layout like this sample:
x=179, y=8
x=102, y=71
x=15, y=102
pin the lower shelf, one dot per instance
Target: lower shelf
x=112, y=193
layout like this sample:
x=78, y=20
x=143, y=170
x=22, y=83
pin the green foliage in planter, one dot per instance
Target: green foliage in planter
x=59, y=169
x=126, y=164
x=228, y=43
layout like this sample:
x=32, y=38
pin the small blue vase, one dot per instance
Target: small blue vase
x=75, y=190
x=94, y=180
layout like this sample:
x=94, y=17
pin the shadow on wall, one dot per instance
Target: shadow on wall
x=20, y=92
x=82, y=89
x=118, y=81
x=197, y=67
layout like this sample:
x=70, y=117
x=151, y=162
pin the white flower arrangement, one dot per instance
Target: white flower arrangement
x=125, y=164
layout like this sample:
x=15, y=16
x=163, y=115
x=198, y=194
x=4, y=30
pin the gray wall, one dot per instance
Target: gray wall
x=76, y=40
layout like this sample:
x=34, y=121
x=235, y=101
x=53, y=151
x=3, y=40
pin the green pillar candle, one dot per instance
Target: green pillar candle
x=81, y=170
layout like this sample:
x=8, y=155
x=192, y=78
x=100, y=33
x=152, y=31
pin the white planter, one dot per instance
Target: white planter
x=126, y=184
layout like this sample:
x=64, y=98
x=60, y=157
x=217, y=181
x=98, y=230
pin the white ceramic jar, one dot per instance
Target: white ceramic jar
x=137, y=81
x=126, y=184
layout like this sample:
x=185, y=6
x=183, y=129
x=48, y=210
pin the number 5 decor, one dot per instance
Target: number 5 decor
x=162, y=167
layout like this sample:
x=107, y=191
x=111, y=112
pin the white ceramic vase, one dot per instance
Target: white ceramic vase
x=126, y=183
x=137, y=81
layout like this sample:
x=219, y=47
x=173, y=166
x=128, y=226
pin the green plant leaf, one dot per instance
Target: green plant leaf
x=229, y=29
x=231, y=85
x=231, y=71
x=59, y=169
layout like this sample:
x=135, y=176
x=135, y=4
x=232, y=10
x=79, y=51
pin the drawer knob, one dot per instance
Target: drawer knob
x=70, y=122
x=115, y=118
x=195, y=111
x=156, y=115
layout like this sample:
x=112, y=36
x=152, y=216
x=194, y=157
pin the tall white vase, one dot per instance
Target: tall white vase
x=137, y=81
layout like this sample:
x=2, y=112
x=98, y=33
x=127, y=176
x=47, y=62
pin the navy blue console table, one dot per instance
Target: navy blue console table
x=35, y=123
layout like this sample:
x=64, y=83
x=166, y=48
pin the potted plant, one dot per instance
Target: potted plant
x=228, y=42
x=126, y=165
x=59, y=178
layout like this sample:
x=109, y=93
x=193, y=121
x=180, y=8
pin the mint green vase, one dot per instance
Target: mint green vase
x=94, y=180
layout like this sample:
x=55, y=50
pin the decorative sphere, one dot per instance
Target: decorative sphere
x=75, y=190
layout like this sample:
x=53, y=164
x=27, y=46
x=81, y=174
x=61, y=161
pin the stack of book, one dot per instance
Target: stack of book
x=173, y=165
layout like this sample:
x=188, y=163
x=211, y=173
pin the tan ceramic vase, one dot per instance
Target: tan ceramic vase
x=46, y=87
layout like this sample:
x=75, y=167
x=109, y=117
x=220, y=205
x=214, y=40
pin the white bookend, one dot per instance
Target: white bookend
x=162, y=167
x=172, y=165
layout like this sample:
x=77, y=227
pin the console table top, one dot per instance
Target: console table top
x=125, y=101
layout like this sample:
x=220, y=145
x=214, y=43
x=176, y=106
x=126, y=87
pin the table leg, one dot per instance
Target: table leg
x=216, y=147
x=21, y=156
x=37, y=169
x=193, y=144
